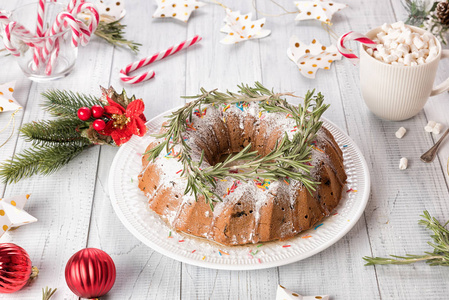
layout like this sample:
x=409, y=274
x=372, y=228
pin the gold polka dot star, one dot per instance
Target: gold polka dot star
x=177, y=9
x=12, y=213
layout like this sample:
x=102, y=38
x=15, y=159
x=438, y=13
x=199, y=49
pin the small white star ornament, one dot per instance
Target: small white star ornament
x=320, y=10
x=284, y=294
x=7, y=101
x=12, y=213
x=109, y=11
x=240, y=28
x=177, y=9
x=310, y=58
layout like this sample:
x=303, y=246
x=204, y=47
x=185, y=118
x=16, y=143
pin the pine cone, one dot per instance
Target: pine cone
x=442, y=12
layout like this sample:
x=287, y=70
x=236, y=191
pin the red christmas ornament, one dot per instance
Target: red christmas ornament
x=15, y=268
x=90, y=273
x=97, y=111
x=99, y=124
x=84, y=113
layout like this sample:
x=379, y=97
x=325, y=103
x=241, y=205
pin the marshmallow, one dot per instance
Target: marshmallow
x=370, y=51
x=403, y=163
x=430, y=125
x=400, y=133
x=399, y=45
x=438, y=128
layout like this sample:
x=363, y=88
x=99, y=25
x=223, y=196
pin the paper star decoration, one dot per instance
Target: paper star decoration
x=7, y=101
x=310, y=58
x=284, y=294
x=320, y=10
x=178, y=9
x=12, y=213
x=240, y=28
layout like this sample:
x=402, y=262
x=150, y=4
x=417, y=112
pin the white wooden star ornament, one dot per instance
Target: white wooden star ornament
x=111, y=10
x=284, y=294
x=320, y=10
x=241, y=28
x=311, y=57
x=178, y=9
x=12, y=213
x=7, y=101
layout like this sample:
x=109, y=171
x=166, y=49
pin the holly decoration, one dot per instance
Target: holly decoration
x=15, y=268
x=84, y=113
x=97, y=111
x=82, y=122
x=90, y=273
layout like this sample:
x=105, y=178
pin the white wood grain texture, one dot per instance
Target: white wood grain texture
x=398, y=197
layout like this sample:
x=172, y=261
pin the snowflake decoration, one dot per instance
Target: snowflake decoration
x=310, y=58
x=240, y=28
x=320, y=10
x=178, y=9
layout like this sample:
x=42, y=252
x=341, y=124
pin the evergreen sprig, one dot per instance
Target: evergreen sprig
x=417, y=12
x=62, y=103
x=113, y=33
x=40, y=159
x=440, y=244
x=49, y=132
x=287, y=159
x=48, y=293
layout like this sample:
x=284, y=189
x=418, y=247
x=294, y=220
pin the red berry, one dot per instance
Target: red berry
x=84, y=113
x=99, y=124
x=97, y=111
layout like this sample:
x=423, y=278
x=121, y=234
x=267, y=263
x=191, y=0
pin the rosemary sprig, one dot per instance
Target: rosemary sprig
x=48, y=293
x=113, y=33
x=440, y=244
x=287, y=159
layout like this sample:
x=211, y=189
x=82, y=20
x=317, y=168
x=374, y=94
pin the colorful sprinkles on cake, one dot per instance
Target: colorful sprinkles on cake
x=262, y=184
x=351, y=190
x=221, y=252
x=318, y=226
x=344, y=146
x=286, y=246
x=200, y=114
x=306, y=236
x=241, y=105
x=190, y=126
x=169, y=235
x=173, y=154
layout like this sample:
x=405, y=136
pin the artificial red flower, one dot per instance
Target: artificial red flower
x=124, y=123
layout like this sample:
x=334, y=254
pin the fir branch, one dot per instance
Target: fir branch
x=48, y=293
x=113, y=33
x=40, y=159
x=287, y=159
x=51, y=132
x=417, y=12
x=440, y=244
x=67, y=103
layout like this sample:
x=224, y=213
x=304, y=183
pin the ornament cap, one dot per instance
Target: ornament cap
x=34, y=272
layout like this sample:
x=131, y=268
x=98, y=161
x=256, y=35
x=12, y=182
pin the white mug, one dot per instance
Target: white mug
x=395, y=92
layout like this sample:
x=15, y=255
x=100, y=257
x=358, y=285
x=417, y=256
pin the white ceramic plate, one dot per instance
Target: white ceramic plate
x=130, y=204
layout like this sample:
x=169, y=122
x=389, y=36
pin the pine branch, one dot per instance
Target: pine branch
x=113, y=33
x=51, y=132
x=67, y=103
x=417, y=12
x=439, y=256
x=40, y=159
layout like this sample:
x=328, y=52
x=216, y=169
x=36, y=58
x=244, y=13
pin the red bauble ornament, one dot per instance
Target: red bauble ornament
x=15, y=268
x=97, y=111
x=90, y=273
x=84, y=113
x=99, y=124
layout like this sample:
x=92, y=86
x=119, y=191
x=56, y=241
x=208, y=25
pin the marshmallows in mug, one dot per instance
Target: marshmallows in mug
x=399, y=45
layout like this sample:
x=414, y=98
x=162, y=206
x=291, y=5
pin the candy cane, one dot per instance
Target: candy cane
x=53, y=56
x=9, y=28
x=353, y=36
x=94, y=20
x=40, y=18
x=148, y=60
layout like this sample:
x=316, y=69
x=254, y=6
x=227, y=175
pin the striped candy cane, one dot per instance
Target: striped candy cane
x=52, y=60
x=353, y=36
x=94, y=20
x=9, y=28
x=40, y=18
x=148, y=60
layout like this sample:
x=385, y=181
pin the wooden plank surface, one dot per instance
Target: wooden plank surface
x=74, y=209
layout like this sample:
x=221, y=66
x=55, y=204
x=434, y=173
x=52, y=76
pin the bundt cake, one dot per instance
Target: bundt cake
x=250, y=212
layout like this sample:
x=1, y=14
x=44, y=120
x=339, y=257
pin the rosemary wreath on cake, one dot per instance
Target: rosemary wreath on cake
x=289, y=159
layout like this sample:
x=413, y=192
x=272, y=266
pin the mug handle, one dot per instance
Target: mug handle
x=444, y=86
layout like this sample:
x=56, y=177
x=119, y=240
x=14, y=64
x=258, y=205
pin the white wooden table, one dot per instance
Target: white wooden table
x=73, y=205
